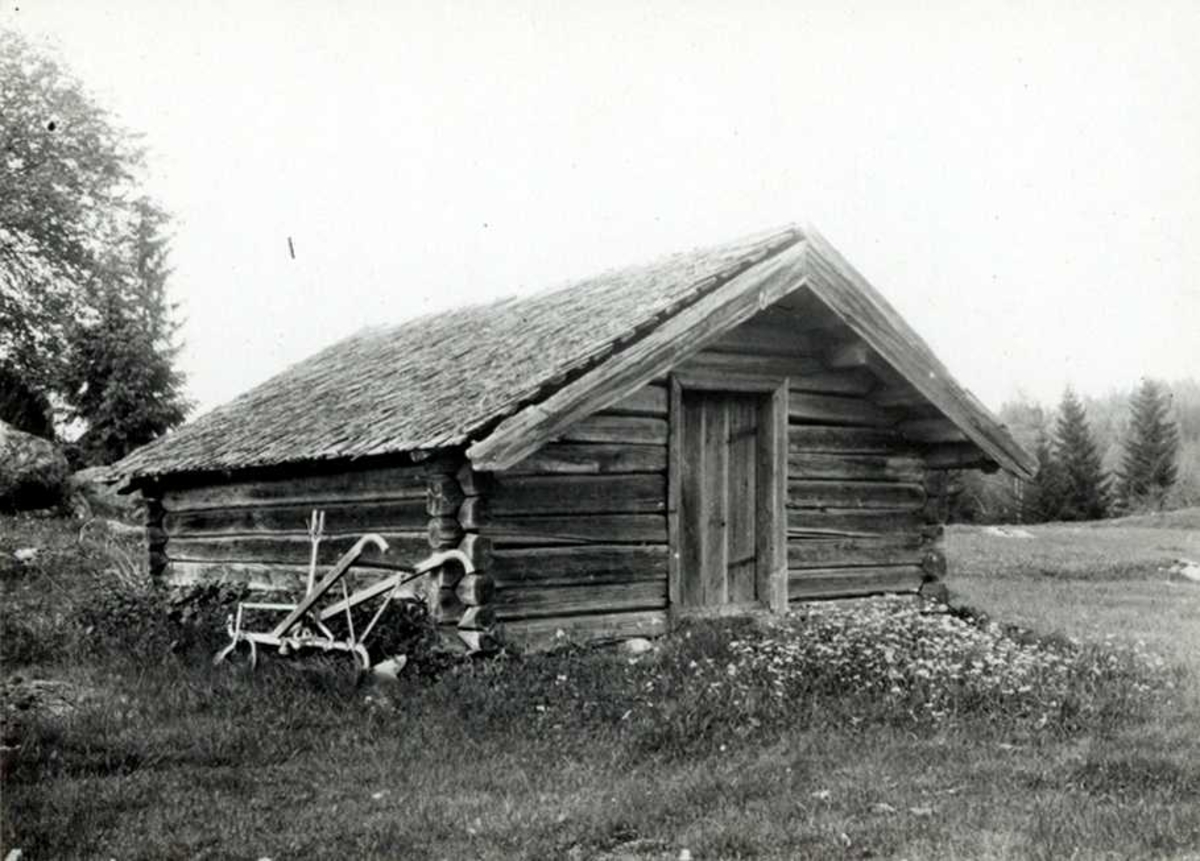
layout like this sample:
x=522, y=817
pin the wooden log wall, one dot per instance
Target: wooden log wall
x=572, y=541
x=577, y=531
x=255, y=533
x=156, y=537
x=859, y=516
x=858, y=519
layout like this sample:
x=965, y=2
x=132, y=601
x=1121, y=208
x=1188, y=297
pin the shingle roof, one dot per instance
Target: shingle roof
x=443, y=379
x=453, y=378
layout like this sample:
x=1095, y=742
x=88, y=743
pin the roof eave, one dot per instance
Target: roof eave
x=905, y=355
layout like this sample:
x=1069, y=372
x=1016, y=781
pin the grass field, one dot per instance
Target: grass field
x=1095, y=580
x=587, y=755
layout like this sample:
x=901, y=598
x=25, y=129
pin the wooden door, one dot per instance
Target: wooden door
x=721, y=506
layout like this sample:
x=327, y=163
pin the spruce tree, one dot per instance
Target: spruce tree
x=1045, y=496
x=1085, y=486
x=1148, y=467
x=124, y=386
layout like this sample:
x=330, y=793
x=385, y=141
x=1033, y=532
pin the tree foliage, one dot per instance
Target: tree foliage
x=1085, y=485
x=1148, y=467
x=23, y=407
x=66, y=166
x=84, y=320
x=121, y=381
x=1045, y=497
x=1111, y=420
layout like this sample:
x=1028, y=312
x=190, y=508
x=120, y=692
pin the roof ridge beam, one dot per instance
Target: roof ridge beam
x=624, y=372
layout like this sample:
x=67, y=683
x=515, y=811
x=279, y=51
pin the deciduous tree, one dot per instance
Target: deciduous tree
x=66, y=168
x=84, y=320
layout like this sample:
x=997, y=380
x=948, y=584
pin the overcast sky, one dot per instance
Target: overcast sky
x=1022, y=180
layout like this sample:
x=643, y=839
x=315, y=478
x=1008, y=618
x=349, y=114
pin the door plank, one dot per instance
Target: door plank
x=772, y=497
x=714, y=495
x=690, y=526
x=742, y=483
x=675, y=419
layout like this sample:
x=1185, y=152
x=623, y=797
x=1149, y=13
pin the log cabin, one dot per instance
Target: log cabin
x=730, y=429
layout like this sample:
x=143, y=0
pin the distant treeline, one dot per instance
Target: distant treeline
x=1131, y=451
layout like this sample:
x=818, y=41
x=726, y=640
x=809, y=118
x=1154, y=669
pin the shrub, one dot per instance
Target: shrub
x=26, y=641
x=198, y=614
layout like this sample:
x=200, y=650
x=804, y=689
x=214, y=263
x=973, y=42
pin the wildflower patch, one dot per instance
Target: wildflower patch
x=890, y=660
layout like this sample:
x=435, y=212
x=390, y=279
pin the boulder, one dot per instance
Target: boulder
x=636, y=646
x=94, y=494
x=33, y=471
x=1186, y=570
x=389, y=670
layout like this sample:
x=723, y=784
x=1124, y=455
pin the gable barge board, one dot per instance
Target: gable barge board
x=621, y=374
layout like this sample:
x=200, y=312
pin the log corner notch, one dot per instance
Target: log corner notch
x=461, y=604
x=933, y=559
x=156, y=538
x=933, y=563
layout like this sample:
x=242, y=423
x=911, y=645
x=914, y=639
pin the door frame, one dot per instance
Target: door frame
x=771, y=513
